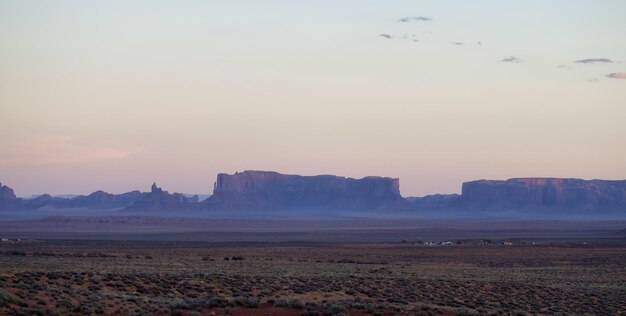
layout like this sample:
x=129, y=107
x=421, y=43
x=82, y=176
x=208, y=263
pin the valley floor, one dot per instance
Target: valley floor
x=43, y=276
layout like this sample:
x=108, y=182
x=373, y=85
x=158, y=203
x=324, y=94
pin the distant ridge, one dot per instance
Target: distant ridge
x=159, y=200
x=268, y=190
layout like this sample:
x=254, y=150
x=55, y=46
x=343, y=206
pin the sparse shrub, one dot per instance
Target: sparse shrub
x=246, y=302
x=468, y=312
x=281, y=303
x=296, y=303
x=7, y=298
x=217, y=302
x=334, y=308
x=309, y=312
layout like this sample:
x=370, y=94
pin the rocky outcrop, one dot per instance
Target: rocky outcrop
x=156, y=200
x=6, y=193
x=543, y=194
x=262, y=190
x=159, y=200
x=8, y=200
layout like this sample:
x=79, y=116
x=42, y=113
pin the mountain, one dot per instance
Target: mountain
x=104, y=200
x=524, y=194
x=159, y=200
x=156, y=200
x=95, y=200
x=434, y=201
x=265, y=190
x=45, y=200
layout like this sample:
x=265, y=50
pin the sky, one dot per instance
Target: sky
x=114, y=95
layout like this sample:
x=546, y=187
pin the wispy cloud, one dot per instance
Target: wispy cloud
x=62, y=150
x=387, y=36
x=414, y=19
x=593, y=60
x=511, y=59
x=617, y=75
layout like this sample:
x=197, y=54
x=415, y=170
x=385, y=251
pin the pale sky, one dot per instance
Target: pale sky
x=114, y=95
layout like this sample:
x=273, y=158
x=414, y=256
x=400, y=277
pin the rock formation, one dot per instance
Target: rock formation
x=6, y=193
x=158, y=200
x=8, y=200
x=543, y=194
x=266, y=190
x=262, y=190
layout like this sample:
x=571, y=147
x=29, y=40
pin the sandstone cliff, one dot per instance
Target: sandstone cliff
x=543, y=194
x=271, y=190
x=6, y=193
x=8, y=200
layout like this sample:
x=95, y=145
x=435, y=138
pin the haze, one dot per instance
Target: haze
x=115, y=95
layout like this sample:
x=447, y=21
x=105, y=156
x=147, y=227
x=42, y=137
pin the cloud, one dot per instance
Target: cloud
x=593, y=60
x=61, y=150
x=511, y=59
x=414, y=19
x=617, y=75
x=387, y=36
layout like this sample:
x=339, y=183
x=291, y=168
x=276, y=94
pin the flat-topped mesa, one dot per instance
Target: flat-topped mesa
x=544, y=193
x=272, y=190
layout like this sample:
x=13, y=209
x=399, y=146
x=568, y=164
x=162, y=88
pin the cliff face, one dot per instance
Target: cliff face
x=8, y=200
x=6, y=193
x=272, y=190
x=544, y=193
